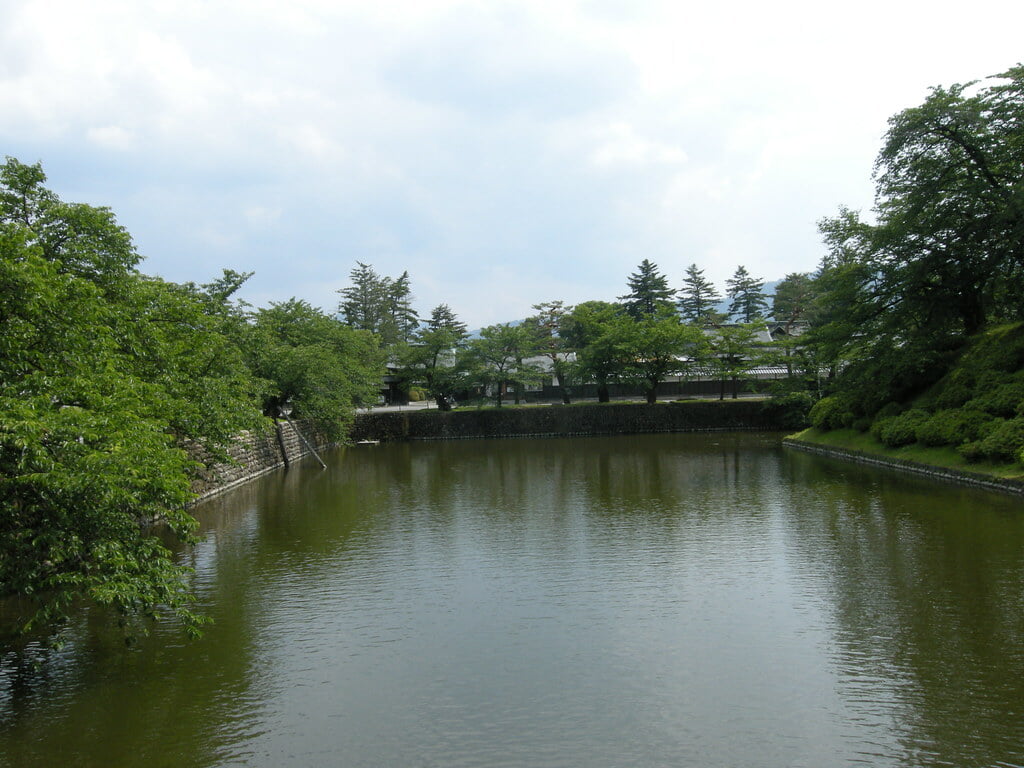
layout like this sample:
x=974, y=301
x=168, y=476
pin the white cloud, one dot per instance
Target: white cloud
x=504, y=152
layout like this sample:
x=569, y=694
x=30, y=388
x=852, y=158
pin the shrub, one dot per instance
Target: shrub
x=790, y=410
x=1005, y=442
x=971, y=451
x=889, y=410
x=952, y=427
x=1002, y=400
x=831, y=412
x=902, y=430
x=953, y=395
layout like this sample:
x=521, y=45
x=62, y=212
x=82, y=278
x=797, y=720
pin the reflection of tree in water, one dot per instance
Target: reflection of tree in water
x=924, y=581
x=102, y=703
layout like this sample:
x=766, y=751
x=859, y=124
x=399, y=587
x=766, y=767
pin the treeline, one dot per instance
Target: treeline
x=919, y=318
x=116, y=387
x=647, y=335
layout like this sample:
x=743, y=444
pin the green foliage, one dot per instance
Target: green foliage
x=899, y=430
x=649, y=293
x=114, y=387
x=322, y=367
x=1003, y=443
x=747, y=295
x=732, y=352
x=899, y=297
x=434, y=357
x=1004, y=400
x=497, y=358
x=546, y=326
x=659, y=346
x=600, y=334
x=952, y=427
x=790, y=411
x=832, y=412
x=380, y=304
x=698, y=298
x=105, y=377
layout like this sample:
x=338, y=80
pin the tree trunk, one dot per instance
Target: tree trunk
x=652, y=395
x=602, y=393
x=565, y=392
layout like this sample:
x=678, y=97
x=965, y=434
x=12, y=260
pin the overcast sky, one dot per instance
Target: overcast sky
x=504, y=153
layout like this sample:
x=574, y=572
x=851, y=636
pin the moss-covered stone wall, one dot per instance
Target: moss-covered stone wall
x=256, y=453
x=557, y=420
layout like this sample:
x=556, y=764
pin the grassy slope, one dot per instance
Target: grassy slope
x=946, y=456
x=995, y=356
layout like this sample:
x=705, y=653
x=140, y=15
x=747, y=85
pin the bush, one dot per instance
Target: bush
x=889, y=410
x=952, y=427
x=831, y=412
x=901, y=430
x=1003, y=400
x=790, y=411
x=417, y=394
x=1005, y=442
x=953, y=395
x=863, y=424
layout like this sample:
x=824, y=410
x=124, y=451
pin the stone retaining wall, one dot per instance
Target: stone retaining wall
x=559, y=420
x=906, y=465
x=254, y=454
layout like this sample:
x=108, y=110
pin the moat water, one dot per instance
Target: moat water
x=663, y=600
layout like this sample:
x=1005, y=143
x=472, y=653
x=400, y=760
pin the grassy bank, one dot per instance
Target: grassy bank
x=944, y=457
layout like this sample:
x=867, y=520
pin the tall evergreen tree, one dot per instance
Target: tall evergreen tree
x=400, y=319
x=747, y=295
x=363, y=302
x=443, y=317
x=379, y=304
x=649, y=293
x=698, y=297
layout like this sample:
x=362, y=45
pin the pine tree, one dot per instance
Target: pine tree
x=649, y=293
x=379, y=304
x=747, y=294
x=443, y=317
x=363, y=301
x=698, y=298
x=399, y=318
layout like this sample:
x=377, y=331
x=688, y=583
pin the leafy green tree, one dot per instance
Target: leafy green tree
x=733, y=353
x=945, y=256
x=950, y=203
x=698, y=298
x=659, y=347
x=105, y=378
x=434, y=357
x=794, y=298
x=747, y=295
x=545, y=326
x=319, y=365
x=649, y=293
x=497, y=358
x=600, y=333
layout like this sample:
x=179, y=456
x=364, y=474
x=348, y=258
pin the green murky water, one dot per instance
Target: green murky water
x=668, y=600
